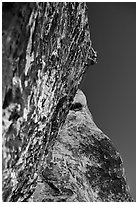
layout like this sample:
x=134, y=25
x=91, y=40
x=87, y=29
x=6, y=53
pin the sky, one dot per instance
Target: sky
x=110, y=85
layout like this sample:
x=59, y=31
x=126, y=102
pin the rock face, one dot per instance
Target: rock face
x=82, y=165
x=46, y=50
x=46, y=156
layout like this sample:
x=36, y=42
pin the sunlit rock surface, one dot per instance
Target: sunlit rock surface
x=82, y=165
x=46, y=49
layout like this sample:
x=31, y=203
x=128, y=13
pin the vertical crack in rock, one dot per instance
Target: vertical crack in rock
x=46, y=49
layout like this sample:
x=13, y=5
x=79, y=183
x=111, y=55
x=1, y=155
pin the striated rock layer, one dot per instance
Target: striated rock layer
x=46, y=50
x=82, y=165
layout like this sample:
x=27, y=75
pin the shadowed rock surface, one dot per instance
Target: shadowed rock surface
x=46, y=156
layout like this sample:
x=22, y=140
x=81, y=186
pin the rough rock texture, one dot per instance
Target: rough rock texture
x=46, y=50
x=82, y=165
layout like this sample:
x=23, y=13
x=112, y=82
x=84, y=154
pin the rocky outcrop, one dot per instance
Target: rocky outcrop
x=46, y=50
x=46, y=156
x=82, y=165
